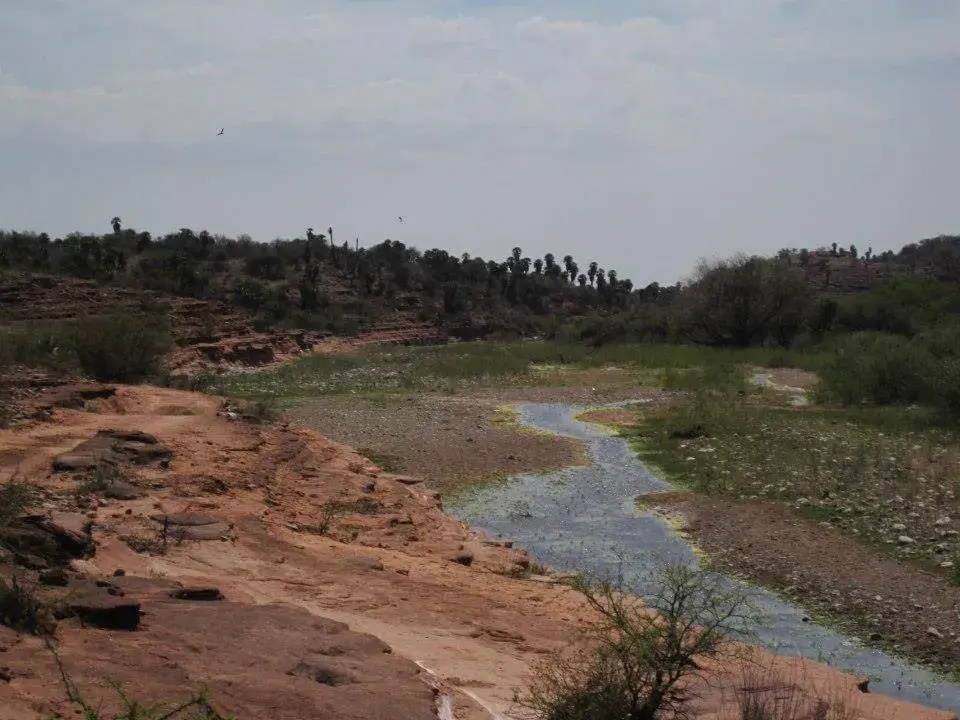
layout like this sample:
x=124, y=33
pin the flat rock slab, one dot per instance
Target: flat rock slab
x=121, y=490
x=113, y=447
x=362, y=562
x=185, y=519
x=193, y=527
x=269, y=661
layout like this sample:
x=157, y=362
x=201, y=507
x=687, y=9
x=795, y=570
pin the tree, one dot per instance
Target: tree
x=643, y=656
x=743, y=301
x=592, y=272
x=550, y=266
x=833, y=249
x=601, y=279
x=582, y=280
x=115, y=222
x=853, y=251
x=538, y=266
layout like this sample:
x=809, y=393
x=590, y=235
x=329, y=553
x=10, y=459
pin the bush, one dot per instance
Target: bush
x=641, y=662
x=120, y=348
x=941, y=342
x=22, y=611
x=196, y=707
x=878, y=368
x=38, y=345
x=944, y=386
x=16, y=496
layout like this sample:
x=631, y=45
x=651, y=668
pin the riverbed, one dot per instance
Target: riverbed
x=585, y=519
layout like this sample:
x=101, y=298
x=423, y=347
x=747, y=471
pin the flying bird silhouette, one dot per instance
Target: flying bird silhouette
x=401, y=218
x=221, y=132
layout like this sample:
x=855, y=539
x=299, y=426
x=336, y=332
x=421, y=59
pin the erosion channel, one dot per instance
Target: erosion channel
x=584, y=519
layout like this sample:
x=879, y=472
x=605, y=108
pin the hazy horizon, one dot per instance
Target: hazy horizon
x=641, y=135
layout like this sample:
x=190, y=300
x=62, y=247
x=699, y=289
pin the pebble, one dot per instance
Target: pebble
x=905, y=540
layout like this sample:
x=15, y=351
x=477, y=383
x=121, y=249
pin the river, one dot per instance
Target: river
x=585, y=519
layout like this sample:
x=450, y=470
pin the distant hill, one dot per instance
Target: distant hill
x=211, y=286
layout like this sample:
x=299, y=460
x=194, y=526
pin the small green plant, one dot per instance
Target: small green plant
x=21, y=610
x=98, y=479
x=16, y=496
x=196, y=707
x=329, y=513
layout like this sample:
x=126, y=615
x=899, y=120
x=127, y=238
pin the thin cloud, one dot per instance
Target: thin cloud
x=650, y=137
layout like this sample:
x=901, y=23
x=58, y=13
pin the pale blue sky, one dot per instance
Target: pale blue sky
x=639, y=134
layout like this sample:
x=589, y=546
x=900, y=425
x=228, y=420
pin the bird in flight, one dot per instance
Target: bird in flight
x=401, y=218
x=221, y=132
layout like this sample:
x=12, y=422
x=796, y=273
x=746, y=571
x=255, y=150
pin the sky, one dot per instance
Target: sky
x=643, y=134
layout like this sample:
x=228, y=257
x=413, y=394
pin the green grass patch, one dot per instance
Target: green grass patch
x=450, y=368
x=384, y=460
x=876, y=473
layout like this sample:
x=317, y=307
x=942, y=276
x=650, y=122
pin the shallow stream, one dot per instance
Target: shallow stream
x=585, y=519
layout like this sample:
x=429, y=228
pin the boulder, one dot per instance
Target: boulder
x=40, y=542
x=188, y=526
x=113, y=447
x=121, y=490
x=362, y=562
x=105, y=611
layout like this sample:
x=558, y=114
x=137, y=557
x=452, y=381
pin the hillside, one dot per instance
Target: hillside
x=211, y=287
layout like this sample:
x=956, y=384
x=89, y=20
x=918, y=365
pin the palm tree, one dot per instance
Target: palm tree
x=592, y=272
x=538, y=266
x=582, y=280
x=116, y=224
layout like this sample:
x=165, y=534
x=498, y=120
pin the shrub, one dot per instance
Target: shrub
x=16, y=496
x=120, y=348
x=196, y=707
x=38, y=345
x=941, y=342
x=21, y=610
x=641, y=662
x=98, y=479
x=878, y=368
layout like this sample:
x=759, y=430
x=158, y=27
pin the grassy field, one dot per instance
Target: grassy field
x=890, y=476
x=461, y=366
